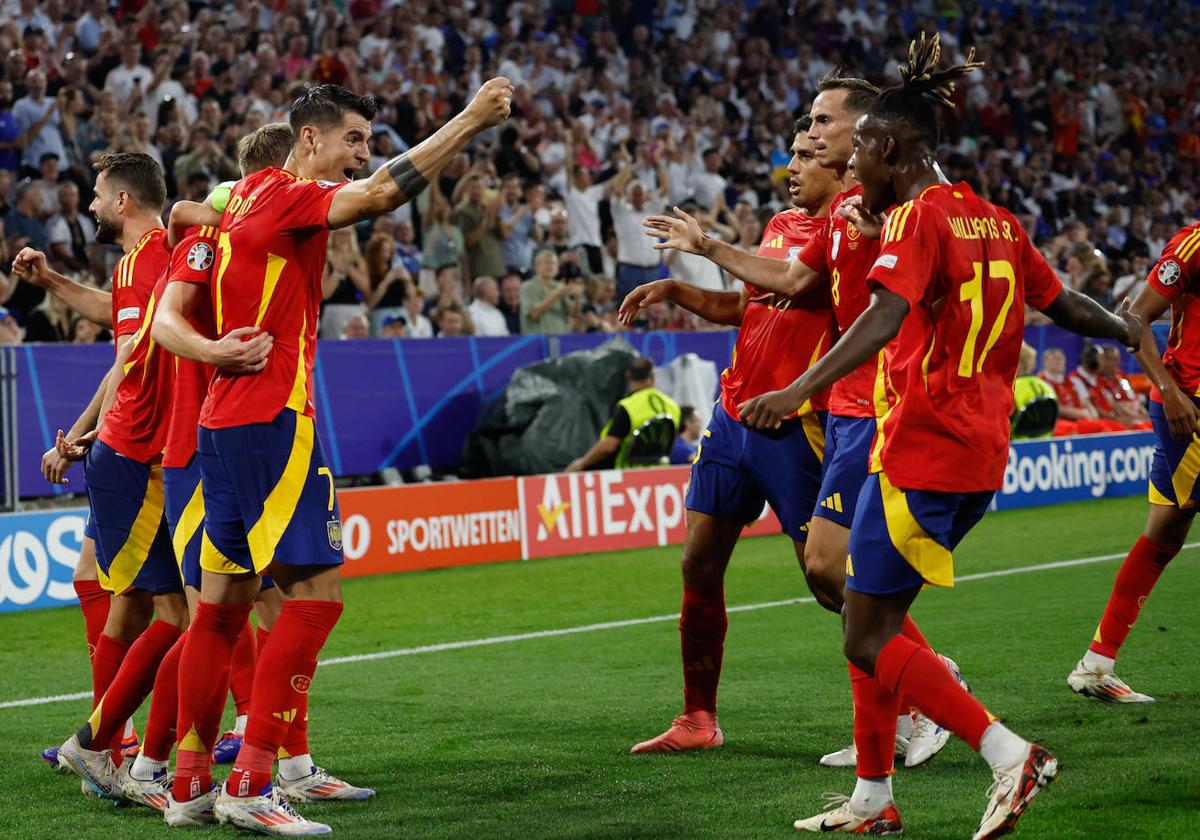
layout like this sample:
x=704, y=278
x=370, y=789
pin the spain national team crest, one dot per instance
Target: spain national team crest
x=1168, y=273
x=334, y=527
x=852, y=235
x=301, y=683
x=200, y=257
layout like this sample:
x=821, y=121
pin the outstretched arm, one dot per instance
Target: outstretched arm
x=1080, y=314
x=241, y=351
x=878, y=325
x=714, y=307
x=93, y=304
x=683, y=233
x=404, y=177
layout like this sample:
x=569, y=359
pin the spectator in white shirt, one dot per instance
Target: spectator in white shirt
x=488, y=319
x=631, y=201
x=70, y=233
x=708, y=183
x=128, y=76
x=37, y=119
x=416, y=324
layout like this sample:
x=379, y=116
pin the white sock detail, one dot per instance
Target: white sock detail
x=904, y=725
x=145, y=769
x=871, y=795
x=1100, y=664
x=239, y=724
x=128, y=730
x=296, y=767
x=1001, y=748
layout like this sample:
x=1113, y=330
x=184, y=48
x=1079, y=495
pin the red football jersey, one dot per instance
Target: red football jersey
x=134, y=278
x=780, y=337
x=1177, y=278
x=1065, y=390
x=270, y=258
x=198, y=248
x=840, y=252
x=136, y=425
x=967, y=269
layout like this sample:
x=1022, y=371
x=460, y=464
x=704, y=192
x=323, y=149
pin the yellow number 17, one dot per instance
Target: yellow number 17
x=972, y=291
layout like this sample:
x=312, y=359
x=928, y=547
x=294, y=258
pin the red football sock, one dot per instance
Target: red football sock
x=875, y=711
x=106, y=661
x=203, y=683
x=159, y=736
x=916, y=674
x=910, y=629
x=702, y=629
x=94, y=601
x=1137, y=576
x=241, y=674
x=286, y=667
x=130, y=686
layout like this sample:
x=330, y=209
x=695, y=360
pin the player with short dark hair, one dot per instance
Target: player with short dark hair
x=268, y=496
x=948, y=293
x=123, y=467
x=1174, y=282
x=736, y=471
x=836, y=259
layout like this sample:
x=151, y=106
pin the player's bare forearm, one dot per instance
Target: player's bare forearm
x=714, y=307
x=186, y=214
x=1149, y=306
x=870, y=333
x=604, y=448
x=789, y=278
x=878, y=325
x=1082, y=315
x=116, y=374
x=87, y=419
x=405, y=176
x=92, y=304
x=173, y=330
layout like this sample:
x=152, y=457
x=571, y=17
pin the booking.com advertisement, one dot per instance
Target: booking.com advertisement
x=1075, y=469
x=427, y=526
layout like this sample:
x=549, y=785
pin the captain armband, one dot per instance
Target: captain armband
x=410, y=181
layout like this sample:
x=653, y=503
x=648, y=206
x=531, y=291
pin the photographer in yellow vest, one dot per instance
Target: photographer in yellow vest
x=642, y=428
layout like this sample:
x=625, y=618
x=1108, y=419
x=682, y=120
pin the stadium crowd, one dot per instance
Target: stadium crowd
x=622, y=109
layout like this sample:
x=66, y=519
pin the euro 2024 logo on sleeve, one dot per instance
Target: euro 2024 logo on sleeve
x=38, y=553
x=1168, y=273
x=200, y=257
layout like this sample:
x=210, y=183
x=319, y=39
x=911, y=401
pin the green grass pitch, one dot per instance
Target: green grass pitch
x=529, y=738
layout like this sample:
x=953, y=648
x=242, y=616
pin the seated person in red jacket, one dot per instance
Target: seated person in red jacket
x=1077, y=414
x=1128, y=408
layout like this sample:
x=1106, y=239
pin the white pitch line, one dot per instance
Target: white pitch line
x=605, y=625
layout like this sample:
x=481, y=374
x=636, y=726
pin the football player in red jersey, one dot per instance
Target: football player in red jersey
x=840, y=253
x=268, y=496
x=123, y=469
x=948, y=293
x=737, y=470
x=1174, y=282
x=184, y=324
x=129, y=550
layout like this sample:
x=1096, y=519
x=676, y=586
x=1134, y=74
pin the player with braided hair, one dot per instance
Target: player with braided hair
x=948, y=295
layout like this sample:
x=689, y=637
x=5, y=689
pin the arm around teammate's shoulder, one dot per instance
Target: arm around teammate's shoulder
x=404, y=177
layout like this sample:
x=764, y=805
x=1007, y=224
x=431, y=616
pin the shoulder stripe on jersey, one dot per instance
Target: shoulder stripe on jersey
x=1188, y=247
x=126, y=266
x=896, y=231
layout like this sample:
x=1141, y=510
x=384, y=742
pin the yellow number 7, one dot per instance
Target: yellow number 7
x=972, y=291
x=328, y=473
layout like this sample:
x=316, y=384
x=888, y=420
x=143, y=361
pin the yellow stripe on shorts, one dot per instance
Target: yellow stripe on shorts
x=932, y=560
x=281, y=502
x=132, y=556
